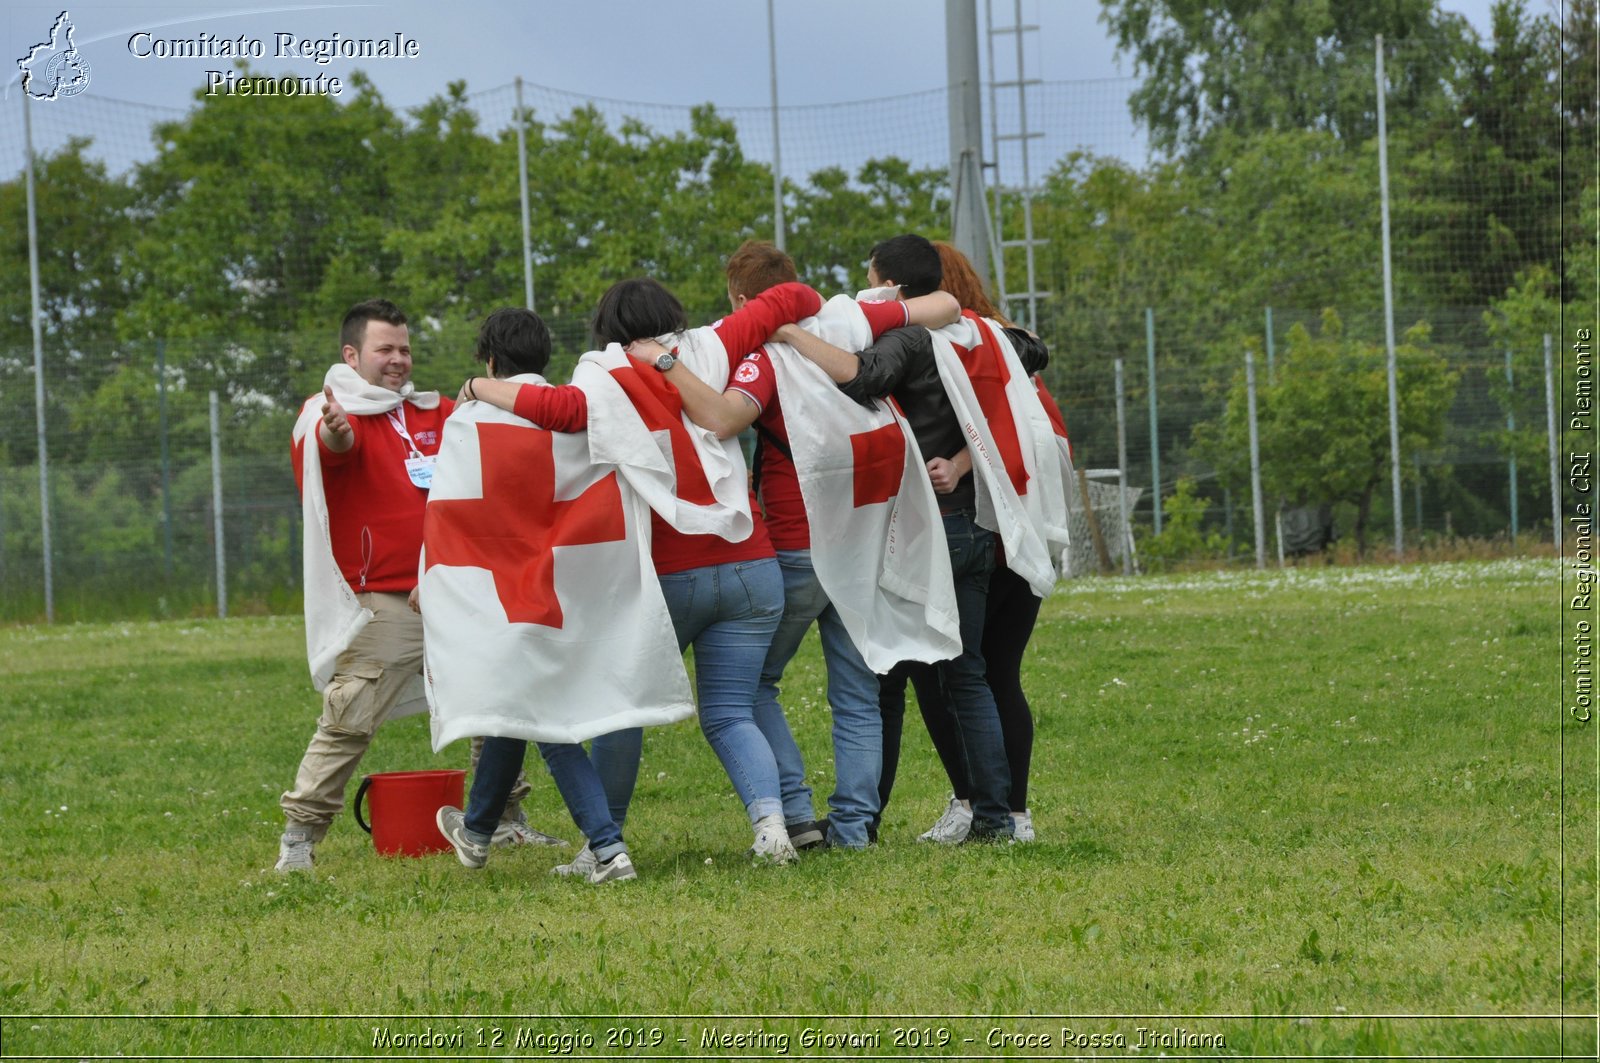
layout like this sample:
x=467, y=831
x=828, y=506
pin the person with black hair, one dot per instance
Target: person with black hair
x=1011, y=611
x=901, y=364
x=514, y=342
x=725, y=598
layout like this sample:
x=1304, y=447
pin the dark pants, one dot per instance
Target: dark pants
x=1009, y=616
x=969, y=703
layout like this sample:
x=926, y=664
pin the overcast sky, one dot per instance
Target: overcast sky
x=657, y=51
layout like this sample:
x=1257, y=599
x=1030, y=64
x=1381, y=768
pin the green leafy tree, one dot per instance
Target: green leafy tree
x=252, y=206
x=1323, y=420
x=834, y=221
x=83, y=236
x=1251, y=66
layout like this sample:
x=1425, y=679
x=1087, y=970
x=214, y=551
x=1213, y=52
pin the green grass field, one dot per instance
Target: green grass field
x=1322, y=812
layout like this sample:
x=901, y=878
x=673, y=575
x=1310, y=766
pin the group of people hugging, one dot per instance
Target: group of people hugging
x=529, y=561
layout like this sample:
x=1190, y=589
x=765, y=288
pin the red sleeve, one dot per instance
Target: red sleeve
x=333, y=458
x=562, y=408
x=747, y=328
x=885, y=315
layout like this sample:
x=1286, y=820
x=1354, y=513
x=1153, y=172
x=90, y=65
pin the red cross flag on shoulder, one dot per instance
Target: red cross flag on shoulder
x=1055, y=454
x=695, y=481
x=877, y=540
x=542, y=615
x=1015, y=464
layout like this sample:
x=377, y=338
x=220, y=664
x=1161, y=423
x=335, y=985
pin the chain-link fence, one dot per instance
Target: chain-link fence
x=214, y=249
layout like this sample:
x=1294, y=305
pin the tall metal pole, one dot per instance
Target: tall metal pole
x=997, y=247
x=1155, y=434
x=777, y=150
x=1255, y=461
x=1511, y=429
x=1388, y=310
x=1122, y=473
x=1555, y=467
x=166, y=460
x=969, y=230
x=1271, y=347
x=216, y=509
x=522, y=178
x=38, y=370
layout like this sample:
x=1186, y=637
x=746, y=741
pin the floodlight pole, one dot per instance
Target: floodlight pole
x=38, y=367
x=522, y=177
x=969, y=228
x=777, y=151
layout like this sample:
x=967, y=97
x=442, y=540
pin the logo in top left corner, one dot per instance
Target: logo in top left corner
x=55, y=68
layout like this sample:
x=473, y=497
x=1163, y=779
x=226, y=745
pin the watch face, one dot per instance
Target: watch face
x=665, y=361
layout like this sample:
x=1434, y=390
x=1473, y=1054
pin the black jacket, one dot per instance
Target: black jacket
x=901, y=364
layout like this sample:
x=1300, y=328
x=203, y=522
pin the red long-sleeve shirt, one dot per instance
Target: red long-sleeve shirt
x=374, y=510
x=564, y=408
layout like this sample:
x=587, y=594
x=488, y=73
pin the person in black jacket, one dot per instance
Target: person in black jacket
x=901, y=364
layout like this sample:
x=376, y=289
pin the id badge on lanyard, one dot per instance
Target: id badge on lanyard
x=419, y=466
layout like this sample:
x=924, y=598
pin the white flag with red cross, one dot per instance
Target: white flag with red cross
x=542, y=615
x=1011, y=445
x=1055, y=453
x=877, y=540
x=695, y=481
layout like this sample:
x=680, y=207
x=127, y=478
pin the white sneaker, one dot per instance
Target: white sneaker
x=453, y=825
x=582, y=864
x=1022, y=823
x=952, y=827
x=294, y=850
x=772, y=845
x=517, y=832
x=618, y=869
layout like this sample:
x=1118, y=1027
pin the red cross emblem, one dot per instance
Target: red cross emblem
x=990, y=375
x=514, y=528
x=880, y=464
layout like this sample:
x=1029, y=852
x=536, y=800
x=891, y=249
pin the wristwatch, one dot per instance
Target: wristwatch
x=665, y=361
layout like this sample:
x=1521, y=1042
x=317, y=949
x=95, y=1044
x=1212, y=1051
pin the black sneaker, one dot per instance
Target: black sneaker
x=811, y=834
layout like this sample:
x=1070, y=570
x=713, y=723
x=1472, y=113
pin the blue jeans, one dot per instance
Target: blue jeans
x=852, y=694
x=965, y=685
x=575, y=776
x=728, y=614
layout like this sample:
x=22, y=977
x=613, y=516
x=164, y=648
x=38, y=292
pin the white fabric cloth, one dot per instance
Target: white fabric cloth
x=333, y=614
x=597, y=656
x=1028, y=521
x=648, y=455
x=883, y=564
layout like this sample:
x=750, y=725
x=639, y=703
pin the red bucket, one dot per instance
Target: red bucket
x=404, y=804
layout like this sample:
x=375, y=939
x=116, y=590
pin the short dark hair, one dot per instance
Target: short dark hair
x=911, y=262
x=353, y=332
x=635, y=309
x=757, y=266
x=513, y=340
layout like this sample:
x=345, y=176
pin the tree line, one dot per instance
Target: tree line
x=223, y=261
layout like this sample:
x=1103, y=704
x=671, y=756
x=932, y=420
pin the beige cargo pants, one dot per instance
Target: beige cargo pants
x=367, y=684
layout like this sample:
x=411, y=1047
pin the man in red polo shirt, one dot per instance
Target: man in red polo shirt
x=363, y=452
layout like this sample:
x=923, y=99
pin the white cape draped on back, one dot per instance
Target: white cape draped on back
x=333, y=615
x=543, y=618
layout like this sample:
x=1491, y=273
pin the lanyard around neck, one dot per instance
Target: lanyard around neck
x=398, y=423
